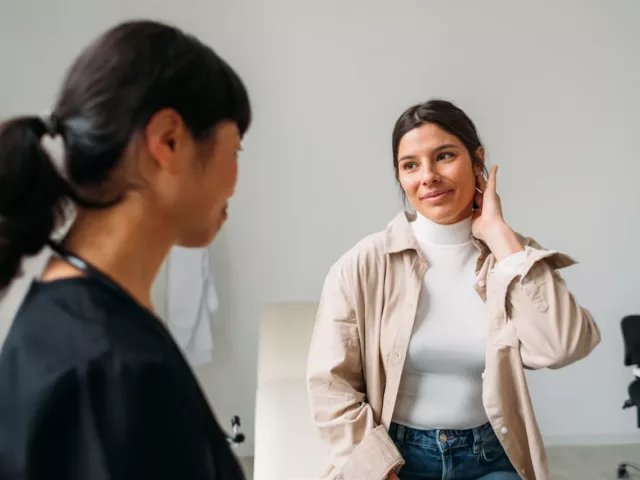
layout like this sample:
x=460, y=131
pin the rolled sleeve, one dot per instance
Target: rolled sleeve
x=374, y=457
x=554, y=330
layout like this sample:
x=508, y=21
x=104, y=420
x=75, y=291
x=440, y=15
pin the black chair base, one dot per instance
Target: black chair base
x=623, y=470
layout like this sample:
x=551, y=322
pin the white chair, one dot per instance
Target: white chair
x=287, y=445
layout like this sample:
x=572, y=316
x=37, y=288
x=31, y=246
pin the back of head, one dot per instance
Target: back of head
x=110, y=93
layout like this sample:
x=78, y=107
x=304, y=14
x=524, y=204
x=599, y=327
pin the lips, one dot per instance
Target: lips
x=435, y=196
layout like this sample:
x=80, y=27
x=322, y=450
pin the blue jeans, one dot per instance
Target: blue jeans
x=474, y=454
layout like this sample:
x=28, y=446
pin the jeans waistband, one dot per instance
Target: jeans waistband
x=404, y=434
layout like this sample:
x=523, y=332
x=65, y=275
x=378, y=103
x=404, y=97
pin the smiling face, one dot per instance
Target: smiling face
x=437, y=173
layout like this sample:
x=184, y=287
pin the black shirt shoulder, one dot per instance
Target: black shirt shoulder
x=71, y=321
x=91, y=384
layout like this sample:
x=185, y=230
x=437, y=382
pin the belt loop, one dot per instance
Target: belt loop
x=400, y=435
x=477, y=440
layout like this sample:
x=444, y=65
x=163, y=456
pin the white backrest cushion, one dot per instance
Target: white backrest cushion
x=285, y=335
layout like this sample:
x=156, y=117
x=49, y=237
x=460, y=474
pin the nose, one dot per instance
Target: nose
x=429, y=174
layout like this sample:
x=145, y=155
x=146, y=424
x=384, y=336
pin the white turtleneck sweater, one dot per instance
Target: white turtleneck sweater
x=441, y=385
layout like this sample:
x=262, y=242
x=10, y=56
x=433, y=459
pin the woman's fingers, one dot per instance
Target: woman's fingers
x=491, y=183
x=481, y=183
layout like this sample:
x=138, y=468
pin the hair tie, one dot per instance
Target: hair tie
x=53, y=125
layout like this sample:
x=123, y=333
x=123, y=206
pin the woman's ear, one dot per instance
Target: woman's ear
x=163, y=134
x=478, y=164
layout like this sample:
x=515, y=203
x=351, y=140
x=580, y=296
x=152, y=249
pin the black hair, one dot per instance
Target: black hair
x=444, y=114
x=110, y=93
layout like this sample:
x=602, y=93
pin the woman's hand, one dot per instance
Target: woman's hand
x=488, y=222
x=393, y=476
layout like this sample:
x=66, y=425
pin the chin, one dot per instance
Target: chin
x=445, y=215
x=199, y=240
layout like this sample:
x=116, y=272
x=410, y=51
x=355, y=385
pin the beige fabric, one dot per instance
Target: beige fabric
x=362, y=332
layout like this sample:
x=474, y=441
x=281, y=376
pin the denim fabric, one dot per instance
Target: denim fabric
x=474, y=454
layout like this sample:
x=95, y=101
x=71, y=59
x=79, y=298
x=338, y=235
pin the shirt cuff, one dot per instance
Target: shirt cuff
x=373, y=458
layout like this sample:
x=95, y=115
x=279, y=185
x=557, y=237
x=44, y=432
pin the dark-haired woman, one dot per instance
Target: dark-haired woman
x=91, y=384
x=424, y=330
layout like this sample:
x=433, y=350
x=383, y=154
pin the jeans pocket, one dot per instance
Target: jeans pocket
x=491, y=449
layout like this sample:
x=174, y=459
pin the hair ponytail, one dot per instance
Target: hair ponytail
x=100, y=107
x=31, y=194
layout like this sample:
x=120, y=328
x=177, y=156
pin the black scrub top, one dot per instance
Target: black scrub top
x=93, y=387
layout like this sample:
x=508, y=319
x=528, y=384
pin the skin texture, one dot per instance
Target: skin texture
x=179, y=189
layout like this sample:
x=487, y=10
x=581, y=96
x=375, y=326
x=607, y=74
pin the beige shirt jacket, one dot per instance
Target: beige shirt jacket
x=362, y=331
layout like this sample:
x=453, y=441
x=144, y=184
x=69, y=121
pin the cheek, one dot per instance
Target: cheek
x=465, y=180
x=226, y=175
x=221, y=176
x=233, y=174
x=409, y=184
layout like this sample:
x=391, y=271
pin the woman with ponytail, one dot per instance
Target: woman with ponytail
x=91, y=384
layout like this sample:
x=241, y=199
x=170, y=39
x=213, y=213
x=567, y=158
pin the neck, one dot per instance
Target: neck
x=428, y=231
x=125, y=242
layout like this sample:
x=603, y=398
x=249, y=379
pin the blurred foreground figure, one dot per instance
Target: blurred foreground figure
x=91, y=384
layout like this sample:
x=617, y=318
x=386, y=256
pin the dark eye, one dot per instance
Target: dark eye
x=409, y=165
x=445, y=156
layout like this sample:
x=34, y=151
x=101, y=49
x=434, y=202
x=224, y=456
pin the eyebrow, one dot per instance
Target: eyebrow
x=437, y=149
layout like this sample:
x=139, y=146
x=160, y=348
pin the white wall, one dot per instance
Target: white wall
x=552, y=86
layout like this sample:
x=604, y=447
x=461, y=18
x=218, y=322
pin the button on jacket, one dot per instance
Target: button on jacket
x=362, y=332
